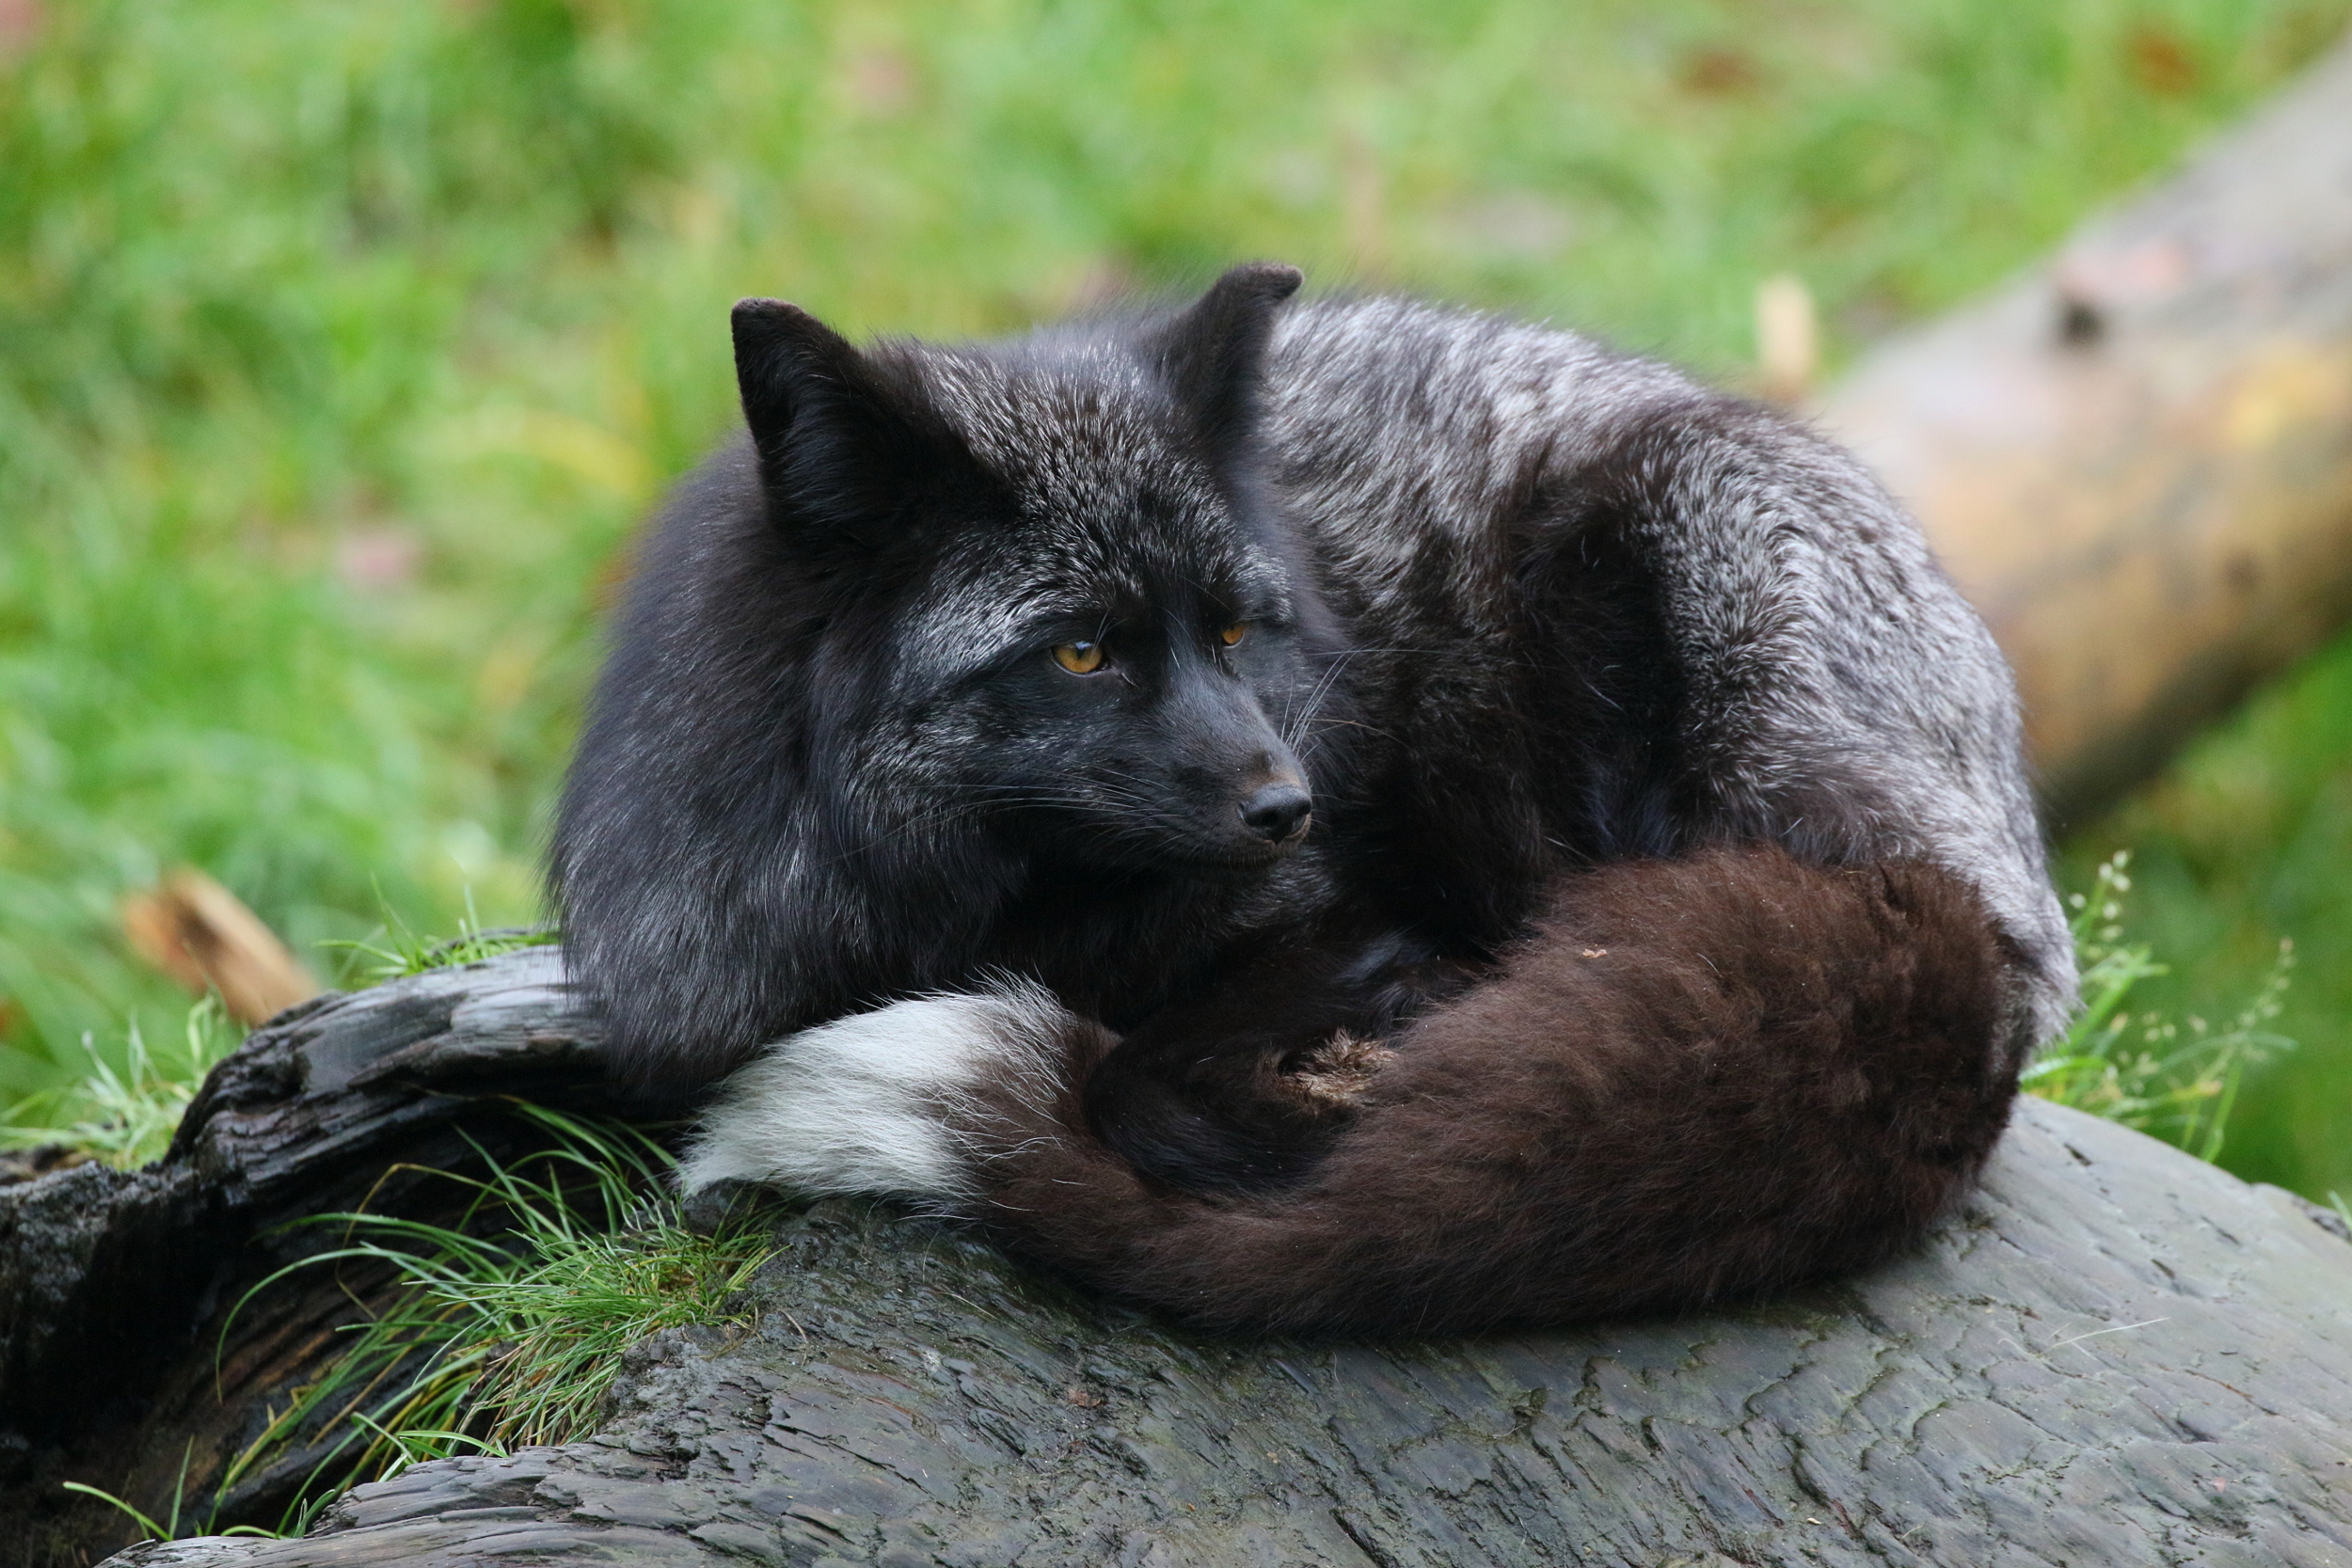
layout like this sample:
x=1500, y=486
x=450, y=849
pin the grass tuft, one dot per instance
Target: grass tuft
x=125, y=1115
x=2141, y=1069
x=507, y=1326
x=394, y=951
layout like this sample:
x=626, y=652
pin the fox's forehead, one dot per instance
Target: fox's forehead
x=1116, y=509
x=1084, y=437
x=1123, y=562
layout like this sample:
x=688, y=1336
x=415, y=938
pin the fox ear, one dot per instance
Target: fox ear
x=842, y=444
x=1211, y=351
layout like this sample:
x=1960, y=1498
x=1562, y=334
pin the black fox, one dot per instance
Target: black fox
x=1336, y=814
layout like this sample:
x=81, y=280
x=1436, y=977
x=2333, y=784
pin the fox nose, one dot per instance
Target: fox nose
x=1276, y=810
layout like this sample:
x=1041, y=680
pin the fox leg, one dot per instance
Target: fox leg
x=1243, y=1087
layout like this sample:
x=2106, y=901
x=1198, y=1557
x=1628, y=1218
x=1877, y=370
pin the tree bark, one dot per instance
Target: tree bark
x=2114, y=1353
x=2137, y=460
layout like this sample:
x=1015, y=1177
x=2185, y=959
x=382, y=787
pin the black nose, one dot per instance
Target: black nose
x=1278, y=811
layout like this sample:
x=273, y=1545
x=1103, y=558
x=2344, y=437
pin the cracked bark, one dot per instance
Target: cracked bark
x=2113, y=1354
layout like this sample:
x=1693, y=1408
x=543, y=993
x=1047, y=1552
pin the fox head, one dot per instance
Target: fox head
x=1038, y=588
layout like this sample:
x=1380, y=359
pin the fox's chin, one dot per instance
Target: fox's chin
x=1205, y=857
x=1202, y=863
x=1236, y=861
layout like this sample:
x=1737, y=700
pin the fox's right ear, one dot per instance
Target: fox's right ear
x=1212, y=353
x=841, y=446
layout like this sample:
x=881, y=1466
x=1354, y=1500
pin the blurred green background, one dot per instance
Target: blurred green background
x=343, y=346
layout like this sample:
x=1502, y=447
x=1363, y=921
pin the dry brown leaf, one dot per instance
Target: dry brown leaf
x=201, y=934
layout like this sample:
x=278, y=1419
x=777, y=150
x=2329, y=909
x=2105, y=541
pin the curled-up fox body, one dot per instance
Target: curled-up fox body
x=1324, y=814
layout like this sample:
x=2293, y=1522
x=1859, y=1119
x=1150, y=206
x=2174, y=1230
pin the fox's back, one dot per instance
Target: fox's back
x=1594, y=601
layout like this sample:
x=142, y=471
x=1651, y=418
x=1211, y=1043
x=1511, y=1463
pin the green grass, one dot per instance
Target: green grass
x=506, y=1326
x=2247, y=841
x=123, y=1114
x=393, y=950
x=173, y=1526
x=2177, y=1079
x=341, y=347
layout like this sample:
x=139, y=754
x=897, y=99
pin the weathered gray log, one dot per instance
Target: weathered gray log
x=2114, y=1354
x=2136, y=461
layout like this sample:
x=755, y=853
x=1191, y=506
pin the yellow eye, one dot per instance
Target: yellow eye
x=1079, y=658
x=1233, y=633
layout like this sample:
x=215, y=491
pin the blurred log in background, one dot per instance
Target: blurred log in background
x=2136, y=461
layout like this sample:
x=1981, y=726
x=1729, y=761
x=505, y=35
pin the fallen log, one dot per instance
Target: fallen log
x=2114, y=1353
x=2137, y=460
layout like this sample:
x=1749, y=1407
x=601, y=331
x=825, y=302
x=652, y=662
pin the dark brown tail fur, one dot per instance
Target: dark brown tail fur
x=1696, y=1079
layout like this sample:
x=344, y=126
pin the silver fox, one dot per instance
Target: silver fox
x=1337, y=815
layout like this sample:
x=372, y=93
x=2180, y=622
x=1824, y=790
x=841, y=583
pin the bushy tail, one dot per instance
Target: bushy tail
x=1696, y=1079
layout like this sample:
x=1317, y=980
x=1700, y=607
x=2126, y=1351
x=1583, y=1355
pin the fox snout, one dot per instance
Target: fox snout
x=1278, y=811
x=1257, y=811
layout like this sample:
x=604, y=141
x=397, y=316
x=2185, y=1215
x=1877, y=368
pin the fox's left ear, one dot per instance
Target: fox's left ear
x=1212, y=353
x=844, y=441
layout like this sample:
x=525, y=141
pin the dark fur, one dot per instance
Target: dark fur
x=1723, y=1074
x=1548, y=633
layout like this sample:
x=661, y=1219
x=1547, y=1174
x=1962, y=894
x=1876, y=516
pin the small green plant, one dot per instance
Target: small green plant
x=2139, y=1068
x=394, y=950
x=126, y=1117
x=506, y=1326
